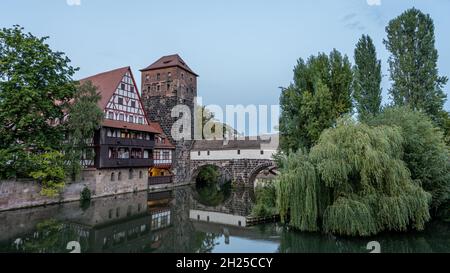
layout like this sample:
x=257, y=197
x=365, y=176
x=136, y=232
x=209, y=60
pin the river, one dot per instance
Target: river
x=184, y=219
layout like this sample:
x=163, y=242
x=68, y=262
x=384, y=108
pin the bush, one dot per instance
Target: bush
x=85, y=194
x=265, y=205
x=49, y=172
x=425, y=150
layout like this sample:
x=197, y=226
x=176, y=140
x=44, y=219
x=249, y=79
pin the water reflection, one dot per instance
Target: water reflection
x=180, y=221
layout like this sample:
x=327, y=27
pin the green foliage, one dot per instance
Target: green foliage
x=265, y=204
x=425, y=151
x=32, y=79
x=367, y=78
x=84, y=118
x=209, y=174
x=413, y=63
x=85, y=194
x=353, y=182
x=297, y=192
x=320, y=93
x=48, y=169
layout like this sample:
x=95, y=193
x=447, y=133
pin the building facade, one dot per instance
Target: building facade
x=124, y=145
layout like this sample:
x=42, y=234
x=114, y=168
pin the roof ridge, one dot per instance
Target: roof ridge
x=106, y=72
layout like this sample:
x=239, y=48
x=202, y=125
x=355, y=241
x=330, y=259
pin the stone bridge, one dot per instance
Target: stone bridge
x=238, y=160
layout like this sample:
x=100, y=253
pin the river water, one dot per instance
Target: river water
x=185, y=219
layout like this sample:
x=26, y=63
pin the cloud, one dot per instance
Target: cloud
x=351, y=21
x=73, y=2
x=374, y=2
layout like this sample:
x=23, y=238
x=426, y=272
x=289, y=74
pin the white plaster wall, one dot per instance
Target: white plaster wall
x=217, y=217
x=232, y=154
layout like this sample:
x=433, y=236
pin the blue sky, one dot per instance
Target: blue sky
x=242, y=50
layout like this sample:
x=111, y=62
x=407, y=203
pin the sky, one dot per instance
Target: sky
x=242, y=50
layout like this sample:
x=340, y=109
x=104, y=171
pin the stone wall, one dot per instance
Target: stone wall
x=159, y=109
x=15, y=194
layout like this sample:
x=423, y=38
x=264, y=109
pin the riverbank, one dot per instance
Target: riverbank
x=22, y=194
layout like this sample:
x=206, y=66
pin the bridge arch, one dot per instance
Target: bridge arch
x=270, y=165
x=224, y=171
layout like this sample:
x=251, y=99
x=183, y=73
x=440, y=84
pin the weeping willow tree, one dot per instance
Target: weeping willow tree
x=353, y=182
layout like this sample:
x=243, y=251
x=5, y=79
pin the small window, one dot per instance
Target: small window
x=111, y=115
x=113, y=177
x=182, y=75
x=110, y=213
x=262, y=152
x=208, y=153
x=158, y=77
x=131, y=119
x=130, y=174
x=199, y=153
x=122, y=117
x=131, y=88
x=119, y=176
x=120, y=100
x=169, y=75
x=140, y=175
x=118, y=212
x=122, y=86
x=133, y=104
x=141, y=120
x=238, y=152
x=158, y=87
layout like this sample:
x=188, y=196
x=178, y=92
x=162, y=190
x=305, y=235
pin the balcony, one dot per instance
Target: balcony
x=129, y=142
x=159, y=180
x=127, y=163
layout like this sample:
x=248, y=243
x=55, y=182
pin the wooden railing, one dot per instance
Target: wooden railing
x=158, y=180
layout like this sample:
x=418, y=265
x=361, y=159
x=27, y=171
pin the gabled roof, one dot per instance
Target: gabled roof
x=169, y=61
x=107, y=83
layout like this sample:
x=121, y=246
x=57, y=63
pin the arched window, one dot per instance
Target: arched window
x=119, y=176
x=113, y=176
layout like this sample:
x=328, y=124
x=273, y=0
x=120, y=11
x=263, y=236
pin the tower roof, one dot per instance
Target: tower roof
x=170, y=61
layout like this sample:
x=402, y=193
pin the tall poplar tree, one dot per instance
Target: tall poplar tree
x=413, y=64
x=367, y=78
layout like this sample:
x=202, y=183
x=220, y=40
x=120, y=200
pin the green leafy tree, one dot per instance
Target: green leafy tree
x=353, y=182
x=35, y=88
x=48, y=170
x=84, y=117
x=322, y=82
x=413, y=64
x=425, y=151
x=367, y=78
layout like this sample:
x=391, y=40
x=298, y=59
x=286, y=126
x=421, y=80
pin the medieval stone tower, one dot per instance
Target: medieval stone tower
x=166, y=83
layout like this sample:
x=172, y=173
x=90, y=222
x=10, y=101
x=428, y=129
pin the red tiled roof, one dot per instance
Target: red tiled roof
x=167, y=144
x=169, y=61
x=107, y=83
x=130, y=126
